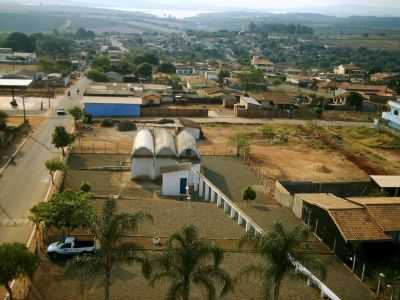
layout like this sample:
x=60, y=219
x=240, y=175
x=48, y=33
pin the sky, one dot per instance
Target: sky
x=333, y=7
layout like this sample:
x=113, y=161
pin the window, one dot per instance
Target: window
x=188, y=152
x=396, y=112
x=66, y=246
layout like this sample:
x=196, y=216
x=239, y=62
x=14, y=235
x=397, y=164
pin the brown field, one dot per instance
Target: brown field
x=316, y=161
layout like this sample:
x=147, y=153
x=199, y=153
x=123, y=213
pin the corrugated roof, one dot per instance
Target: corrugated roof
x=386, y=181
x=113, y=100
x=164, y=143
x=143, y=144
x=15, y=82
x=327, y=201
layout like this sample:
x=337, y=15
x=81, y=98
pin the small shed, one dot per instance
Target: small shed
x=177, y=179
x=388, y=183
x=112, y=106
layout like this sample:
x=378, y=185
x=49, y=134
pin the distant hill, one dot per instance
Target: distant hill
x=43, y=18
x=320, y=23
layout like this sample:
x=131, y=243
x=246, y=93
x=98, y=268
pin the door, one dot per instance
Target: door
x=183, y=185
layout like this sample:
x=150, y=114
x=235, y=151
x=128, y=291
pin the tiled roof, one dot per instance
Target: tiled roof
x=357, y=225
x=328, y=201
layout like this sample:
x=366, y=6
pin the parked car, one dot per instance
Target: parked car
x=60, y=111
x=70, y=246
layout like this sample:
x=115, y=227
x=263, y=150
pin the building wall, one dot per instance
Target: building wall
x=142, y=167
x=112, y=110
x=171, y=182
x=172, y=112
x=160, y=162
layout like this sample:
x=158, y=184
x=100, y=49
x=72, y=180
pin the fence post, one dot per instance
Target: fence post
x=363, y=272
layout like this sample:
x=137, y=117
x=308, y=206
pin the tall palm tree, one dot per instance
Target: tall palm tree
x=108, y=230
x=277, y=250
x=189, y=261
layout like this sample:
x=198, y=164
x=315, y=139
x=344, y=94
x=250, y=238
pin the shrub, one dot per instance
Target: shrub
x=85, y=187
x=107, y=123
x=126, y=126
x=87, y=118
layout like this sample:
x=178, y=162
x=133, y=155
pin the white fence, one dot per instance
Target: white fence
x=209, y=192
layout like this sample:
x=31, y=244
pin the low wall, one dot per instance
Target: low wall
x=174, y=112
x=259, y=113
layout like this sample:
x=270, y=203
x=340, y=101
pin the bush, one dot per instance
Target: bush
x=267, y=131
x=107, y=123
x=126, y=126
x=87, y=118
x=85, y=187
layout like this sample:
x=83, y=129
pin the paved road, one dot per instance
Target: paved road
x=26, y=183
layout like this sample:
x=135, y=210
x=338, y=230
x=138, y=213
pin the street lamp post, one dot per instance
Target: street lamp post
x=389, y=286
x=381, y=277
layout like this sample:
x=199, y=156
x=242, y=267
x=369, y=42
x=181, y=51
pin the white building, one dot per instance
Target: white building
x=157, y=152
x=263, y=64
x=393, y=116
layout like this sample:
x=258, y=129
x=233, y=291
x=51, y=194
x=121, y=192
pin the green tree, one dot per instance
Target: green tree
x=355, y=100
x=188, y=260
x=3, y=120
x=66, y=210
x=109, y=230
x=15, y=261
x=97, y=75
x=222, y=75
x=144, y=70
x=148, y=58
x=241, y=142
x=19, y=41
x=252, y=80
x=54, y=165
x=61, y=138
x=76, y=112
x=249, y=194
x=102, y=63
x=175, y=83
x=277, y=249
x=54, y=46
x=167, y=68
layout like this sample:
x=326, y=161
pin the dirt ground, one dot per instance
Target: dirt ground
x=283, y=161
x=34, y=121
x=7, y=68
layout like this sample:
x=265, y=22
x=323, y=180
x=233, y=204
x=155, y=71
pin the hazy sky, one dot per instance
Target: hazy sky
x=334, y=7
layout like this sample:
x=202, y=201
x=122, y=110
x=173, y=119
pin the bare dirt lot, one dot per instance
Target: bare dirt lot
x=284, y=160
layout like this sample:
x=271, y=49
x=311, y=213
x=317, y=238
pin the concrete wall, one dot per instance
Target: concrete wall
x=142, y=167
x=171, y=182
x=173, y=112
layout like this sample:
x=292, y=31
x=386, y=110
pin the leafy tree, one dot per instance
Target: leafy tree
x=54, y=165
x=66, y=210
x=355, y=100
x=54, y=46
x=15, y=261
x=241, y=141
x=249, y=194
x=252, y=80
x=84, y=34
x=109, y=230
x=167, y=68
x=61, y=138
x=19, y=41
x=222, y=75
x=175, y=83
x=277, y=249
x=144, y=70
x=188, y=260
x=148, y=58
x=102, y=63
x=76, y=112
x=3, y=120
x=85, y=187
x=97, y=75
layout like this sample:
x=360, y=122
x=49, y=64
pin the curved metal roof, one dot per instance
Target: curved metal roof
x=143, y=144
x=185, y=141
x=164, y=143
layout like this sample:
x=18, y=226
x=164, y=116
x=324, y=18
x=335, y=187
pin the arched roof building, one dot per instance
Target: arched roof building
x=164, y=143
x=186, y=145
x=143, y=145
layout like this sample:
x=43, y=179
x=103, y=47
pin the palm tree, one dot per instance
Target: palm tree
x=189, y=260
x=108, y=230
x=277, y=249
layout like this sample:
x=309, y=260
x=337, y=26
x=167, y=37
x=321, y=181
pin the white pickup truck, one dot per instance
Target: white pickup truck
x=70, y=246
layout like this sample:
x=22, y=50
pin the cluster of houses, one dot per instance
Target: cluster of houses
x=9, y=56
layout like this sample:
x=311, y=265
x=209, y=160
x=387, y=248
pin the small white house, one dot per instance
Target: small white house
x=177, y=179
x=393, y=116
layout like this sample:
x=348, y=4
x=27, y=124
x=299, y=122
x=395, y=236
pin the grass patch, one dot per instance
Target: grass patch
x=371, y=137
